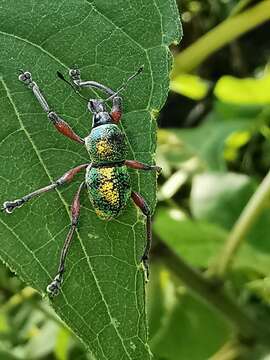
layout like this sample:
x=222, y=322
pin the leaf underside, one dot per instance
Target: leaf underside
x=102, y=298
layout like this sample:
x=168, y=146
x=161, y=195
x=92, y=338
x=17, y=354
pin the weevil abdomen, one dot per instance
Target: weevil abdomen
x=105, y=144
x=109, y=189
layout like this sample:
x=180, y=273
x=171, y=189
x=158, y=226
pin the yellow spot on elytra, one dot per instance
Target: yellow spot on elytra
x=104, y=148
x=106, y=186
x=101, y=214
x=107, y=173
x=109, y=193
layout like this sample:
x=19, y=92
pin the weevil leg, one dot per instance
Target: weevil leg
x=54, y=287
x=143, y=206
x=116, y=112
x=133, y=164
x=75, y=76
x=10, y=206
x=58, y=123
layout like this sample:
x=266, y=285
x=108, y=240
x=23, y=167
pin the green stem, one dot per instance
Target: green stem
x=247, y=218
x=249, y=329
x=222, y=34
x=239, y=7
x=25, y=294
x=232, y=350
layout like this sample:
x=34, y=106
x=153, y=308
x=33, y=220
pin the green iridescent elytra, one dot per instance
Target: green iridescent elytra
x=109, y=189
x=108, y=186
x=106, y=143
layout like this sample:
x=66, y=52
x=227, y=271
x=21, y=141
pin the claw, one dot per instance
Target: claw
x=74, y=73
x=158, y=169
x=10, y=206
x=53, y=288
x=145, y=266
x=25, y=77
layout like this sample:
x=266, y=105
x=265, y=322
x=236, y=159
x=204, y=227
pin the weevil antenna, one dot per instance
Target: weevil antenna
x=61, y=76
x=125, y=83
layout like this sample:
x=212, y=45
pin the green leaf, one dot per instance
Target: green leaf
x=229, y=89
x=196, y=241
x=199, y=241
x=220, y=197
x=182, y=318
x=42, y=343
x=6, y=355
x=244, y=91
x=191, y=86
x=207, y=141
x=62, y=344
x=103, y=293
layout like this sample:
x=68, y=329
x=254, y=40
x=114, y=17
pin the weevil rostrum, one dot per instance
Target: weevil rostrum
x=106, y=176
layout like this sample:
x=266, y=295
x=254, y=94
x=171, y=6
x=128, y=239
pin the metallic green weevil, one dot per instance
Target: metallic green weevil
x=106, y=176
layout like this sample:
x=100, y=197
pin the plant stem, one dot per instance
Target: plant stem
x=232, y=350
x=249, y=329
x=222, y=34
x=247, y=218
x=239, y=7
x=25, y=294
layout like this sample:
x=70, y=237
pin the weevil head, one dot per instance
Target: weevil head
x=100, y=115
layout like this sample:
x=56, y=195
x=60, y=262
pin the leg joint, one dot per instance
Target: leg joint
x=60, y=181
x=146, y=209
x=53, y=117
x=74, y=221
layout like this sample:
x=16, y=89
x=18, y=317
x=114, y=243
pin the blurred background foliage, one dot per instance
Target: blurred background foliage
x=214, y=148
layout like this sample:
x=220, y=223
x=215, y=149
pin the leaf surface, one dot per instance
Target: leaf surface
x=177, y=316
x=216, y=202
x=102, y=298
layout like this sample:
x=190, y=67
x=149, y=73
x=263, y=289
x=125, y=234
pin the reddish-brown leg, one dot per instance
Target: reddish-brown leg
x=58, y=123
x=141, y=203
x=54, y=287
x=141, y=166
x=63, y=127
x=10, y=206
x=116, y=112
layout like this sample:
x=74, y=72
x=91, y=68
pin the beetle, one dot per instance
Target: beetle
x=106, y=176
